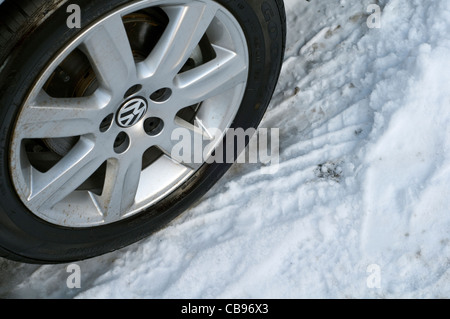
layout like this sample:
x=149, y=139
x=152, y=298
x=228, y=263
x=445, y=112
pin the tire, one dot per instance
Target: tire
x=72, y=185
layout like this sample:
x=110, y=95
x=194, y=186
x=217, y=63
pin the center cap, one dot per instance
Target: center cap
x=131, y=112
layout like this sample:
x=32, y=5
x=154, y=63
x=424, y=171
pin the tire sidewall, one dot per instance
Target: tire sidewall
x=26, y=237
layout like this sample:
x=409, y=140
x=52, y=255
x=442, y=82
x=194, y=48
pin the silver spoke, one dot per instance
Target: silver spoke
x=121, y=185
x=49, y=117
x=185, y=144
x=47, y=189
x=187, y=26
x=223, y=73
x=110, y=54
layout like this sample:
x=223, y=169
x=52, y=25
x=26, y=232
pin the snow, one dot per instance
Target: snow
x=363, y=182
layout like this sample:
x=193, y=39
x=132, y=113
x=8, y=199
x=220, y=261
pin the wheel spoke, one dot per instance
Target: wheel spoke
x=185, y=144
x=51, y=117
x=109, y=51
x=121, y=184
x=218, y=76
x=47, y=189
x=186, y=28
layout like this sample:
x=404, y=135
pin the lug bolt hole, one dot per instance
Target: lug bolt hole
x=153, y=126
x=105, y=125
x=132, y=90
x=162, y=95
x=121, y=143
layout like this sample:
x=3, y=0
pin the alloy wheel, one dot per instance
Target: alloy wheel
x=93, y=142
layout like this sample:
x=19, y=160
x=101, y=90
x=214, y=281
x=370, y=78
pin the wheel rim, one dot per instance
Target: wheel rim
x=92, y=144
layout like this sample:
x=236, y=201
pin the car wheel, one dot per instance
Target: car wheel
x=89, y=114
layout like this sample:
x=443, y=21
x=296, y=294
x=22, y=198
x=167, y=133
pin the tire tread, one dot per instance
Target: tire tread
x=17, y=18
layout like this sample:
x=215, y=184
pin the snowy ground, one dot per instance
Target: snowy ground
x=363, y=185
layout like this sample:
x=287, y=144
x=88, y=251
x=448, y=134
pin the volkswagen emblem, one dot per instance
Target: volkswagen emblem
x=132, y=112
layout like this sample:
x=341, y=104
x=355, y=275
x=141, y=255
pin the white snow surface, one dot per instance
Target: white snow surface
x=364, y=178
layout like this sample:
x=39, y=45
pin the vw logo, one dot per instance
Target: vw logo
x=132, y=112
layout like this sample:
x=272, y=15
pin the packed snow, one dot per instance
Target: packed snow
x=360, y=205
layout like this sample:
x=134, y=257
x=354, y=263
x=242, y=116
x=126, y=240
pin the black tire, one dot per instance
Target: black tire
x=31, y=33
